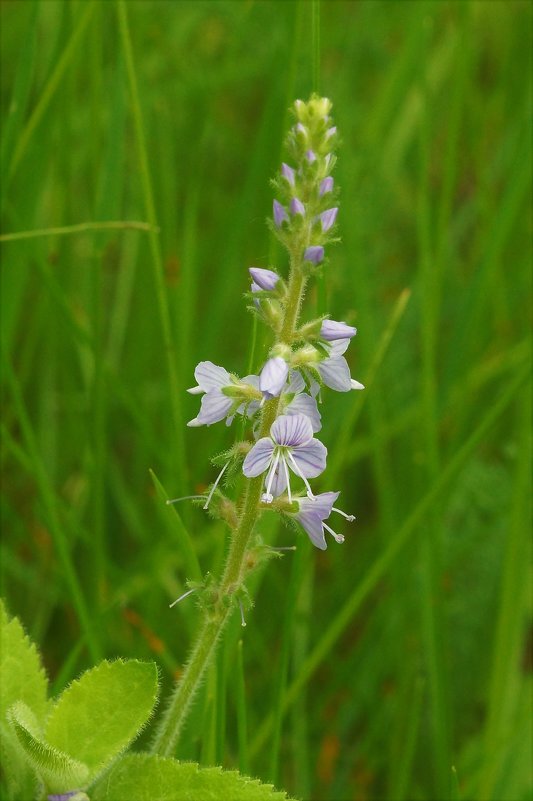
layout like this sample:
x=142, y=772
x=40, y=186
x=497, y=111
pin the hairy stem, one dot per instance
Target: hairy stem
x=217, y=616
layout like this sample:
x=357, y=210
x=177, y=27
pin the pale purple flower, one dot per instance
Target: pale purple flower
x=273, y=377
x=326, y=185
x=334, y=371
x=216, y=404
x=331, y=132
x=300, y=402
x=280, y=214
x=314, y=254
x=263, y=279
x=297, y=207
x=310, y=156
x=290, y=446
x=327, y=219
x=288, y=173
x=332, y=330
x=305, y=404
x=312, y=513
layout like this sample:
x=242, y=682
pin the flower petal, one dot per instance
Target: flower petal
x=258, y=459
x=313, y=526
x=310, y=458
x=211, y=376
x=279, y=483
x=356, y=384
x=273, y=376
x=338, y=347
x=314, y=254
x=332, y=330
x=296, y=383
x=321, y=505
x=335, y=374
x=264, y=279
x=306, y=405
x=215, y=406
x=291, y=430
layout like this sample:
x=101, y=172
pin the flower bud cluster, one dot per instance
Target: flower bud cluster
x=281, y=401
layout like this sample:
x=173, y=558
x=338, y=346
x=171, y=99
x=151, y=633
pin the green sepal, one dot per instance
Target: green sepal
x=98, y=715
x=58, y=770
x=146, y=777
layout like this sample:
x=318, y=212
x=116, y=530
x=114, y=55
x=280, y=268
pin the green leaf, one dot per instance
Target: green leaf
x=144, y=777
x=58, y=770
x=98, y=715
x=22, y=677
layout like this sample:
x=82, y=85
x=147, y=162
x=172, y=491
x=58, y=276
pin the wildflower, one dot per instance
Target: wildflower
x=326, y=185
x=334, y=370
x=291, y=445
x=225, y=394
x=314, y=254
x=280, y=214
x=312, y=513
x=297, y=207
x=332, y=330
x=288, y=173
x=273, y=377
x=327, y=219
x=263, y=279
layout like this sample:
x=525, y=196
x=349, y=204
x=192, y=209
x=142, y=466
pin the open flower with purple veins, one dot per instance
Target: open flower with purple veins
x=311, y=515
x=290, y=447
x=225, y=394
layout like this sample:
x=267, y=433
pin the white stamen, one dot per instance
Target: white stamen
x=213, y=488
x=267, y=497
x=351, y=518
x=185, y=594
x=299, y=473
x=338, y=537
x=243, y=621
x=288, y=480
x=185, y=498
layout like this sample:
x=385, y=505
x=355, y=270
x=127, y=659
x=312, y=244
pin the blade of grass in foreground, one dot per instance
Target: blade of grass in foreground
x=380, y=566
x=178, y=449
x=50, y=504
x=511, y=621
x=192, y=566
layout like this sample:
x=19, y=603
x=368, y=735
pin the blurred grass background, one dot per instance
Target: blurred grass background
x=367, y=671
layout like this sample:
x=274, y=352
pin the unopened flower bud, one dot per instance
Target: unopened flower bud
x=314, y=254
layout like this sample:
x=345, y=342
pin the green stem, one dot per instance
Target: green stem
x=233, y=576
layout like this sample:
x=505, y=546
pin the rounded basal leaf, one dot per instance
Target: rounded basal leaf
x=57, y=770
x=98, y=715
x=146, y=777
x=22, y=677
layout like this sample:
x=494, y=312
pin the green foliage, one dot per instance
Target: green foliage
x=369, y=670
x=143, y=777
x=22, y=676
x=56, y=769
x=98, y=715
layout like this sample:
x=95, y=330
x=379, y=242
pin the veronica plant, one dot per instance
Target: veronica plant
x=280, y=403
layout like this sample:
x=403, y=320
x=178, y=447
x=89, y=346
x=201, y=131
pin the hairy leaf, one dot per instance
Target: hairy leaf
x=98, y=715
x=59, y=771
x=22, y=677
x=145, y=777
